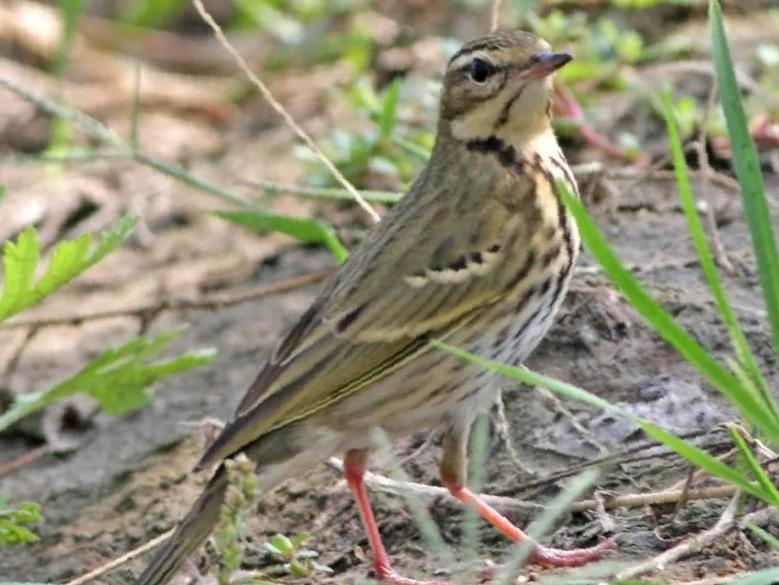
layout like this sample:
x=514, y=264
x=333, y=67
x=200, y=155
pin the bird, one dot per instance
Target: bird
x=479, y=253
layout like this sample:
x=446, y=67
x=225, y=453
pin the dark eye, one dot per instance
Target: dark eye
x=480, y=70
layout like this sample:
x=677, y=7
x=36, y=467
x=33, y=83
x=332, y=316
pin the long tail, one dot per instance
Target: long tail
x=191, y=532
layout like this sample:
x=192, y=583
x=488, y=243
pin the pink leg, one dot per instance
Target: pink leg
x=354, y=470
x=541, y=555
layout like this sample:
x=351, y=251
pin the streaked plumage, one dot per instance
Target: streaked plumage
x=478, y=253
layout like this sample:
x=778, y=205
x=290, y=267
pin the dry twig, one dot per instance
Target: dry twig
x=429, y=494
x=718, y=249
x=23, y=460
x=148, y=311
x=281, y=111
x=495, y=15
x=118, y=562
x=691, y=545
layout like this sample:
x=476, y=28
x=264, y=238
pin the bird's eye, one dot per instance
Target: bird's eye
x=480, y=70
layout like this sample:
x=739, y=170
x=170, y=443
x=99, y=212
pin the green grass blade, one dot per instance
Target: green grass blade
x=754, y=466
x=687, y=450
x=765, y=577
x=310, y=231
x=770, y=539
x=271, y=187
x=748, y=173
x=728, y=384
x=740, y=346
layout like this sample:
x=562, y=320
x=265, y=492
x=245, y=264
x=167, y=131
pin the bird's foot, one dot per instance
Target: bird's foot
x=553, y=557
x=392, y=578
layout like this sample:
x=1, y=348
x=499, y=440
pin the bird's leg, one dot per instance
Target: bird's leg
x=354, y=470
x=453, y=468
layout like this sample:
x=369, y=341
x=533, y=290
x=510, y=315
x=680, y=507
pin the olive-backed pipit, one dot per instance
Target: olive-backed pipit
x=479, y=253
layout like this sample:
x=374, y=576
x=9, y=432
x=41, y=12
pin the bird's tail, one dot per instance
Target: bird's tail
x=189, y=534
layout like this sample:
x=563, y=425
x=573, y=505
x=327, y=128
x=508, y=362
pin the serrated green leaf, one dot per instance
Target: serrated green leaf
x=12, y=521
x=119, y=379
x=69, y=259
x=310, y=231
x=20, y=259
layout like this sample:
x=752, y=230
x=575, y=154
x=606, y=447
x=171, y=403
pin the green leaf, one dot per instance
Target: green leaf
x=69, y=259
x=310, y=231
x=13, y=531
x=151, y=13
x=282, y=544
x=747, y=167
x=300, y=538
x=687, y=450
x=418, y=152
x=770, y=539
x=752, y=409
x=389, y=109
x=740, y=346
x=753, y=465
x=118, y=379
x=765, y=577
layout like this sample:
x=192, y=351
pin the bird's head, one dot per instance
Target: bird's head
x=500, y=84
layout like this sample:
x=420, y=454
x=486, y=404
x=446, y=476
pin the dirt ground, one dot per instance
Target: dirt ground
x=118, y=482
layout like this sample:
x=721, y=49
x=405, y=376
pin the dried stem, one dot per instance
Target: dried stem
x=150, y=310
x=495, y=15
x=281, y=111
x=118, y=562
x=429, y=494
x=695, y=543
x=718, y=249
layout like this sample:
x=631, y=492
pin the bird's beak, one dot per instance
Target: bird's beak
x=543, y=64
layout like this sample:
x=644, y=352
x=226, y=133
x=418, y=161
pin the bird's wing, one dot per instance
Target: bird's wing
x=409, y=280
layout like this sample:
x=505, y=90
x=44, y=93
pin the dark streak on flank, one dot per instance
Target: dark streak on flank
x=562, y=215
x=348, y=319
x=500, y=338
x=523, y=271
x=524, y=299
x=566, y=171
x=561, y=279
x=549, y=256
x=527, y=323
